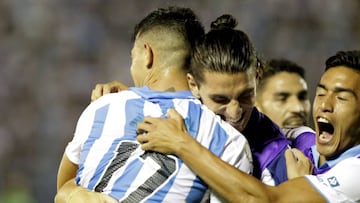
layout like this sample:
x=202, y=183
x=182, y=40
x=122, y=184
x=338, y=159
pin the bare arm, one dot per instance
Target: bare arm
x=71, y=193
x=67, y=170
x=169, y=136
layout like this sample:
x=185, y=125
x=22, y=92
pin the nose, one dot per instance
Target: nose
x=234, y=110
x=324, y=103
x=296, y=105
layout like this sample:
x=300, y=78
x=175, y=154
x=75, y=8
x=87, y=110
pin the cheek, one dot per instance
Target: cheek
x=216, y=108
x=269, y=105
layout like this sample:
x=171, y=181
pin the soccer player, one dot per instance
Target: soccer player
x=224, y=72
x=336, y=156
x=282, y=94
x=104, y=152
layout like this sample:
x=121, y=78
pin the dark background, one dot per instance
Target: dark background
x=53, y=52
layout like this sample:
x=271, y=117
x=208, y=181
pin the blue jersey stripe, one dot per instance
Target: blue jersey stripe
x=102, y=165
x=124, y=181
x=218, y=140
x=95, y=133
x=133, y=116
x=122, y=165
x=197, y=190
x=134, y=111
x=193, y=122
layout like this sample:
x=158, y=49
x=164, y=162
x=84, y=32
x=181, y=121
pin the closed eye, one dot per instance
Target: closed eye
x=220, y=99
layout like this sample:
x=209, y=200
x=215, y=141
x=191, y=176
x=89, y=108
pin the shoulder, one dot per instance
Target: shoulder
x=114, y=98
x=337, y=184
x=293, y=133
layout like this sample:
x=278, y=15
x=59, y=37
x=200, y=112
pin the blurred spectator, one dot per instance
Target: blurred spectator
x=52, y=53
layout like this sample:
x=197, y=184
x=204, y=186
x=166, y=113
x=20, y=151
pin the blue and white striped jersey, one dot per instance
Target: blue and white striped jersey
x=337, y=179
x=111, y=161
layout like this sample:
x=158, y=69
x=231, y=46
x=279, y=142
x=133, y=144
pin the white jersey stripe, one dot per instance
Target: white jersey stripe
x=107, y=130
x=95, y=133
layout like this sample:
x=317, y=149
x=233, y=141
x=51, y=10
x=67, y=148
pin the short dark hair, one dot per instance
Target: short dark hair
x=350, y=59
x=277, y=65
x=223, y=49
x=179, y=19
x=285, y=65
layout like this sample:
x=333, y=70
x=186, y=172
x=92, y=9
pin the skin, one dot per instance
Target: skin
x=229, y=95
x=169, y=136
x=284, y=98
x=337, y=101
x=232, y=97
x=71, y=193
x=106, y=88
x=148, y=68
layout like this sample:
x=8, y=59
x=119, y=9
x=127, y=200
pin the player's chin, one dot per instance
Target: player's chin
x=293, y=122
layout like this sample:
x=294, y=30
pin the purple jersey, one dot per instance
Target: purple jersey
x=268, y=145
x=301, y=138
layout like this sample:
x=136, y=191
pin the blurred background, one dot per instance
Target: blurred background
x=52, y=53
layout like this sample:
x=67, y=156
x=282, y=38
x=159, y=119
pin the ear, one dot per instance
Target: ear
x=259, y=74
x=258, y=77
x=149, y=55
x=193, y=85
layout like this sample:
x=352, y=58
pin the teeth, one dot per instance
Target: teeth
x=323, y=120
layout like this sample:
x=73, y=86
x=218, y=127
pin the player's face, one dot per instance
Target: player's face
x=336, y=111
x=284, y=99
x=229, y=95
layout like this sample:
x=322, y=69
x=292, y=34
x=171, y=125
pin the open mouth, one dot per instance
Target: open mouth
x=326, y=130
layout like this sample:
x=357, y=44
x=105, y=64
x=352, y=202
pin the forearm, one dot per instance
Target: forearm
x=229, y=182
x=72, y=193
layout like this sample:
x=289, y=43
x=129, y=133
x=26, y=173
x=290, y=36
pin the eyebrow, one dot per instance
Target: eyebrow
x=282, y=94
x=218, y=96
x=339, y=89
x=286, y=92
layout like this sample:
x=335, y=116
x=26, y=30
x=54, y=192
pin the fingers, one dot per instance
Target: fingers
x=291, y=155
x=172, y=113
x=97, y=92
x=297, y=163
x=105, y=88
x=146, y=125
x=142, y=138
x=114, y=86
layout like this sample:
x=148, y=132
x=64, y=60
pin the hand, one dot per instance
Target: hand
x=105, y=88
x=71, y=193
x=164, y=135
x=297, y=164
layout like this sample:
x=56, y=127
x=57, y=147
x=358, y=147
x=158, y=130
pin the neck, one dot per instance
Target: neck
x=322, y=160
x=171, y=82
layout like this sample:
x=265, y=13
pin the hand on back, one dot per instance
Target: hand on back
x=163, y=135
x=105, y=88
